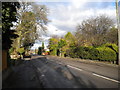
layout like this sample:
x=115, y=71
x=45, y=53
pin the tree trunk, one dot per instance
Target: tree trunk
x=4, y=59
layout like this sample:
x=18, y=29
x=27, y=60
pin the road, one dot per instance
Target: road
x=54, y=72
x=92, y=75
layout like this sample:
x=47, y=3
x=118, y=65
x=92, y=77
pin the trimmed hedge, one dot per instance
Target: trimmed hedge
x=106, y=52
x=94, y=53
x=112, y=46
x=82, y=52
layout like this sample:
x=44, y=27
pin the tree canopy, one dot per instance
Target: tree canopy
x=27, y=27
x=9, y=11
x=95, y=38
x=93, y=30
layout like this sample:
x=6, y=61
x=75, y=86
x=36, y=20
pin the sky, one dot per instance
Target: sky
x=65, y=16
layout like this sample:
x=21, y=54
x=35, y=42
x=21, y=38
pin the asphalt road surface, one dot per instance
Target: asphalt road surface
x=92, y=75
x=54, y=72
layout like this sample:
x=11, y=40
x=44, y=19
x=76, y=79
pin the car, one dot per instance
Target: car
x=27, y=56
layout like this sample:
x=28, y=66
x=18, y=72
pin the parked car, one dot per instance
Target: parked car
x=27, y=56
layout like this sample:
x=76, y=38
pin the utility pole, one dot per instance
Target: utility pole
x=118, y=26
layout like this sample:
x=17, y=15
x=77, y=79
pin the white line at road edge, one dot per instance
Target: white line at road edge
x=105, y=78
x=74, y=67
x=95, y=74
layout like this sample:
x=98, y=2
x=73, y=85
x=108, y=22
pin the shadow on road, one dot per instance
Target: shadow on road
x=41, y=73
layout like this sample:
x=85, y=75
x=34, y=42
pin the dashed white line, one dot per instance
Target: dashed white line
x=105, y=78
x=74, y=67
x=93, y=74
x=60, y=63
x=51, y=60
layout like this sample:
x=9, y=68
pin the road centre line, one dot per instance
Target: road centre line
x=75, y=68
x=105, y=77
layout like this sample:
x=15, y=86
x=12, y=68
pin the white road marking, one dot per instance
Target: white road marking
x=105, y=78
x=51, y=60
x=60, y=63
x=57, y=62
x=93, y=74
x=42, y=75
x=75, y=68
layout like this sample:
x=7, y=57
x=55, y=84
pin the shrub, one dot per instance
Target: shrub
x=82, y=52
x=112, y=46
x=11, y=50
x=71, y=52
x=20, y=50
x=53, y=52
x=107, y=54
x=93, y=53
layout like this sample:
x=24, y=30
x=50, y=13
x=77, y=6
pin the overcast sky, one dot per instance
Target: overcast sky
x=65, y=16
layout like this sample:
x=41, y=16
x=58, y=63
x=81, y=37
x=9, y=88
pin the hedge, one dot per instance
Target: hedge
x=82, y=52
x=93, y=53
x=112, y=46
x=106, y=52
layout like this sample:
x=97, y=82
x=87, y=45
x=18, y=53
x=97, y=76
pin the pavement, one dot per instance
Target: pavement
x=38, y=73
x=22, y=76
x=55, y=72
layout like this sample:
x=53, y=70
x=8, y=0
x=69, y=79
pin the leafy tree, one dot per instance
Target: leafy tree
x=27, y=26
x=70, y=39
x=61, y=44
x=9, y=11
x=40, y=51
x=27, y=29
x=53, y=44
x=20, y=51
x=11, y=50
x=41, y=13
x=42, y=45
x=70, y=43
x=112, y=36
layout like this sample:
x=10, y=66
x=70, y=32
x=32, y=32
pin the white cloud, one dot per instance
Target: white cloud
x=52, y=30
x=78, y=3
x=65, y=17
x=36, y=45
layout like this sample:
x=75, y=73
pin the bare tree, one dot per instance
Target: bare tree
x=93, y=31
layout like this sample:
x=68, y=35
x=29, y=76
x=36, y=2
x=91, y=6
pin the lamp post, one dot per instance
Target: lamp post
x=118, y=26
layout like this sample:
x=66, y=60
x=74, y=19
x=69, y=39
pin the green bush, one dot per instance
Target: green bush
x=93, y=53
x=11, y=50
x=20, y=50
x=112, y=46
x=106, y=53
x=53, y=52
x=71, y=52
x=82, y=52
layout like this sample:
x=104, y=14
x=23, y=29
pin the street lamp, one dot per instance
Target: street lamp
x=118, y=26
